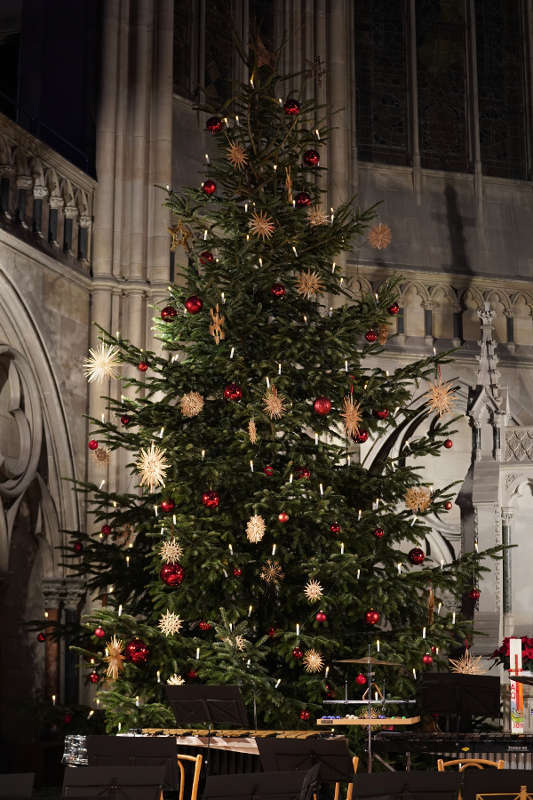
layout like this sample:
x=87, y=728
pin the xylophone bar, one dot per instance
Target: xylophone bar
x=230, y=734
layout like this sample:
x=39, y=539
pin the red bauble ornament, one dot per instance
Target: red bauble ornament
x=302, y=200
x=268, y=470
x=416, y=555
x=237, y=572
x=297, y=653
x=94, y=677
x=372, y=617
x=381, y=413
x=447, y=444
x=194, y=304
x=335, y=527
x=371, y=336
x=232, y=391
x=361, y=437
x=67, y=719
x=93, y=444
x=304, y=715
x=142, y=366
x=210, y=499
x=167, y=505
x=105, y=530
x=475, y=594
x=137, y=652
x=277, y=290
x=379, y=533
x=209, y=187
x=171, y=574
x=41, y=637
x=283, y=516
x=291, y=107
x=205, y=626
x=168, y=313
x=207, y=257
x=320, y=616
x=125, y=419
x=322, y=406
x=303, y=472
x=99, y=632
x=393, y=309
x=427, y=658
x=312, y=158
x=213, y=124
x=271, y=632
x=448, y=505
x=360, y=679
x=192, y=674
x=78, y=547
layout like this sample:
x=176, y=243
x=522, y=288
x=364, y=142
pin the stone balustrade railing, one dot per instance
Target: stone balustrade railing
x=44, y=199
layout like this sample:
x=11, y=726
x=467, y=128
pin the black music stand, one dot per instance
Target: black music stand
x=210, y=705
x=298, y=785
x=113, y=783
x=331, y=755
x=460, y=696
x=504, y=783
x=16, y=785
x=135, y=751
x=412, y=785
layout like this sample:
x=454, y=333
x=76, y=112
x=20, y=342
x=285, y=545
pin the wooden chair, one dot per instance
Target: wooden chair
x=197, y=760
x=355, y=762
x=465, y=763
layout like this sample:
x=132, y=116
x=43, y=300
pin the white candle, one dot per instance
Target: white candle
x=158, y=673
x=297, y=629
x=197, y=653
x=274, y=549
x=377, y=645
x=342, y=548
x=424, y=632
x=250, y=609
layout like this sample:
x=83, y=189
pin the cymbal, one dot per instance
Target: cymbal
x=370, y=660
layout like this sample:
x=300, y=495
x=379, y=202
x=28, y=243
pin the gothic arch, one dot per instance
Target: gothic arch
x=40, y=457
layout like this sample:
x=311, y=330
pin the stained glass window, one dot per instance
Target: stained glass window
x=442, y=94
x=500, y=63
x=381, y=81
x=183, y=22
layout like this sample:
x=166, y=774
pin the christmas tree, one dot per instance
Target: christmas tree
x=275, y=521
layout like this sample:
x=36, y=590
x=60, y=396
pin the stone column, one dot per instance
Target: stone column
x=507, y=588
x=74, y=592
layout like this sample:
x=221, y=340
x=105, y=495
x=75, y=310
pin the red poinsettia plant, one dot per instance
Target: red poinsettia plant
x=501, y=654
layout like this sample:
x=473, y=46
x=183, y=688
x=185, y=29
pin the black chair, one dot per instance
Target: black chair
x=135, y=751
x=336, y=763
x=297, y=785
x=113, y=783
x=408, y=786
x=506, y=784
x=16, y=785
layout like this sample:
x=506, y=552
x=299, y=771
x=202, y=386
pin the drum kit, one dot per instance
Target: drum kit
x=373, y=698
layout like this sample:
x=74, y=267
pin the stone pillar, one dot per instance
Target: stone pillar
x=73, y=593
x=507, y=587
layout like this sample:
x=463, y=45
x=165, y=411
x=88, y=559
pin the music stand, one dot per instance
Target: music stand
x=331, y=755
x=209, y=705
x=460, y=696
x=114, y=783
x=16, y=785
x=298, y=785
x=135, y=751
x=497, y=783
x=414, y=785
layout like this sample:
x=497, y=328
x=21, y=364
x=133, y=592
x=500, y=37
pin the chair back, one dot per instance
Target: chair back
x=466, y=763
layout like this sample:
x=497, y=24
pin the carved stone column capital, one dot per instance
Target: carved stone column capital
x=507, y=516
